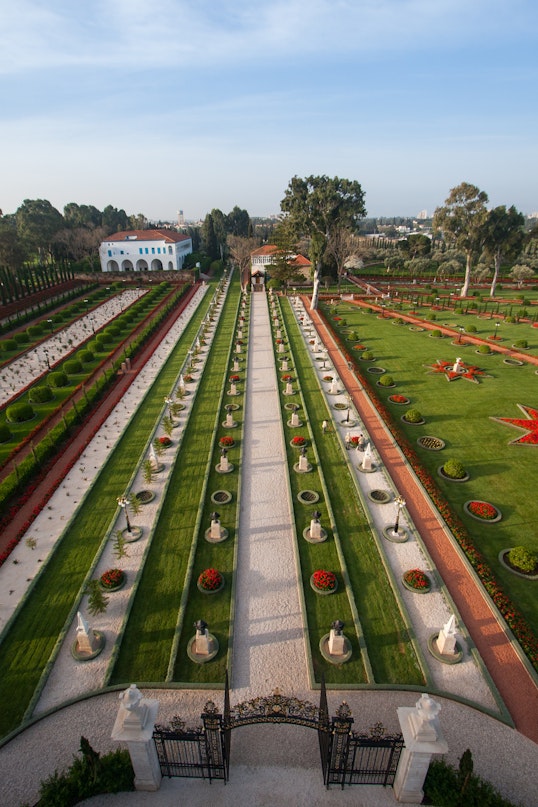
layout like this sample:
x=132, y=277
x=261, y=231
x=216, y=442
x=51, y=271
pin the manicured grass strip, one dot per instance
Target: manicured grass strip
x=149, y=635
x=30, y=639
x=321, y=611
x=389, y=645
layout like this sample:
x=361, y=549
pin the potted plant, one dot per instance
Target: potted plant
x=324, y=582
x=416, y=580
x=210, y=581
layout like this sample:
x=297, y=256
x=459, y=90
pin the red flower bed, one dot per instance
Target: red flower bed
x=287, y=377
x=416, y=578
x=323, y=580
x=210, y=580
x=399, y=399
x=298, y=441
x=226, y=442
x=112, y=578
x=165, y=441
x=234, y=378
x=483, y=510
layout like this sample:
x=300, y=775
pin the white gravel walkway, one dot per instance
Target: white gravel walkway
x=269, y=644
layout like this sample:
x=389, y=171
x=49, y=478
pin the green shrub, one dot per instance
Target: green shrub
x=522, y=558
x=5, y=434
x=446, y=786
x=470, y=328
x=34, y=331
x=353, y=336
x=72, y=367
x=8, y=344
x=19, y=412
x=386, y=381
x=413, y=416
x=21, y=338
x=431, y=316
x=521, y=343
x=113, y=331
x=40, y=394
x=510, y=319
x=103, y=339
x=367, y=355
x=454, y=469
x=57, y=379
x=85, y=356
x=458, y=310
x=484, y=349
x=436, y=333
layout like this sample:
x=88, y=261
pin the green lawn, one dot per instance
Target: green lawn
x=460, y=413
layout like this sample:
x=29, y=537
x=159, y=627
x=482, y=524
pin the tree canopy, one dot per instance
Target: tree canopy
x=317, y=207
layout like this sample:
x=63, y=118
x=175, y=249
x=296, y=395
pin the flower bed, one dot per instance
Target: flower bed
x=327, y=378
x=112, y=579
x=482, y=511
x=416, y=580
x=431, y=443
x=286, y=377
x=399, y=399
x=234, y=378
x=165, y=441
x=298, y=441
x=324, y=582
x=226, y=442
x=210, y=581
x=145, y=496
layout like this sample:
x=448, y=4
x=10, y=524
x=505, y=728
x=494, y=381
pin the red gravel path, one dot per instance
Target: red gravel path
x=512, y=679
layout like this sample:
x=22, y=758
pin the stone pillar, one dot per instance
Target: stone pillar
x=423, y=738
x=134, y=725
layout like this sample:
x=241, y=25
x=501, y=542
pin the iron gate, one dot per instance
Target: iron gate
x=347, y=757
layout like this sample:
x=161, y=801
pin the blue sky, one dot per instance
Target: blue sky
x=155, y=105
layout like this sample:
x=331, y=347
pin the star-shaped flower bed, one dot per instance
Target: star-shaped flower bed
x=530, y=426
x=468, y=371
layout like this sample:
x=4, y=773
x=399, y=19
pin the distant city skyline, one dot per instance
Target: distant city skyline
x=175, y=104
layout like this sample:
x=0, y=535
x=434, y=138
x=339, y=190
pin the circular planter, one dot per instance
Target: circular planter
x=525, y=575
x=203, y=590
x=431, y=443
x=514, y=362
x=220, y=470
x=223, y=536
x=384, y=386
x=221, y=497
x=291, y=407
x=199, y=658
x=320, y=540
x=298, y=445
x=308, y=497
x=515, y=347
x=133, y=535
x=324, y=650
x=100, y=641
x=479, y=352
x=226, y=444
x=117, y=587
x=403, y=402
x=420, y=422
x=323, y=592
x=145, y=496
x=497, y=518
x=340, y=406
x=409, y=587
x=396, y=538
x=453, y=659
x=380, y=496
x=376, y=370
x=415, y=328
x=447, y=478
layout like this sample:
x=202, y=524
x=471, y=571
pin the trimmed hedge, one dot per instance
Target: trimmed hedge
x=73, y=367
x=40, y=394
x=5, y=434
x=19, y=412
x=57, y=379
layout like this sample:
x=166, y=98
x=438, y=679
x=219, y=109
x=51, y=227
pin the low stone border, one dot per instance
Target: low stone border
x=221, y=497
x=514, y=362
x=376, y=370
x=340, y=406
x=306, y=536
x=302, y=470
x=79, y=656
x=400, y=538
x=416, y=328
x=294, y=425
x=223, y=535
x=292, y=407
x=380, y=496
x=482, y=520
x=297, y=445
x=506, y=565
x=203, y=590
x=416, y=423
x=431, y=443
x=196, y=657
x=447, y=478
x=145, y=496
x=114, y=588
x=134, y=535
x=324, y=650
x=416, y=590
x=308, y=497
x=442, y=657
x=228, y=470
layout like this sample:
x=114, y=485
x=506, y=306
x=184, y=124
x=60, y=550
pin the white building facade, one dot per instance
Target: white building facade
x=144, y=251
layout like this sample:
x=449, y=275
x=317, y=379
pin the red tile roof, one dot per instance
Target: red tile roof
x=267, y=249
x=170, y=236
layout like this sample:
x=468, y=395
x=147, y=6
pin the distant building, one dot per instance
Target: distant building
x=144, y=251
x=422, y=215
x=262, y=259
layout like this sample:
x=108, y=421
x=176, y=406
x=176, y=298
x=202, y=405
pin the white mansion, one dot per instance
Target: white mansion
x=144, y=250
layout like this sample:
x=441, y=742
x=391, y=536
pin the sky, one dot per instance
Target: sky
x=159, y=105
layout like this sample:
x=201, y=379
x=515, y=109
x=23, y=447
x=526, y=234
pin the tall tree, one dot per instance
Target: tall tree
x=114, y=220
x=238, y=222
x=462, y=220
x=11, y=251
x=241, y=249
x=210, y=244
x=504, y=237
x=37, y=224
x=318, y=206
x=341, y=246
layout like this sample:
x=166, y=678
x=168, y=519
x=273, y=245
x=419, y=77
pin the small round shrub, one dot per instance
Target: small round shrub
x=413, y=416
x=34, y=331
x=436, y=333
x=5, y=434
x=102, y=339
x=386, y=381
x=484, y=349
x=40, y=394
x=431, y=316
x=454, y=469
x=19, y=412
x=353, y=336
x=8, y=344
x=470, y=328
x=510, y=319
x=521, y=343
x=57, y=379
x=21, y=338
x=72, y=366
x=367, y=355
x=85, y=356
x=522, y=558
x=112, y=331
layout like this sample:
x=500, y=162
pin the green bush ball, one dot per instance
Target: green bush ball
x=57, y=379
x=386, y=381
x=521, y=343
x=19, y=412
x=454, y=469
x=522, y=558
x=413, y=416
x=72, y=367
x=85, y=356
x=40, y=394
x=367, y=355
x=7, y=345
x=470, y=328
x=484, y=349
x=5, y=434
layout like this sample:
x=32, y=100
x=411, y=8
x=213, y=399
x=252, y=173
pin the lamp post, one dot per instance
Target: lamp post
x=400, y=502
x=86, y=304
x=50, y=323
x=497, y=330
x=461, y=330
x=348, y=400
x=123, y=501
